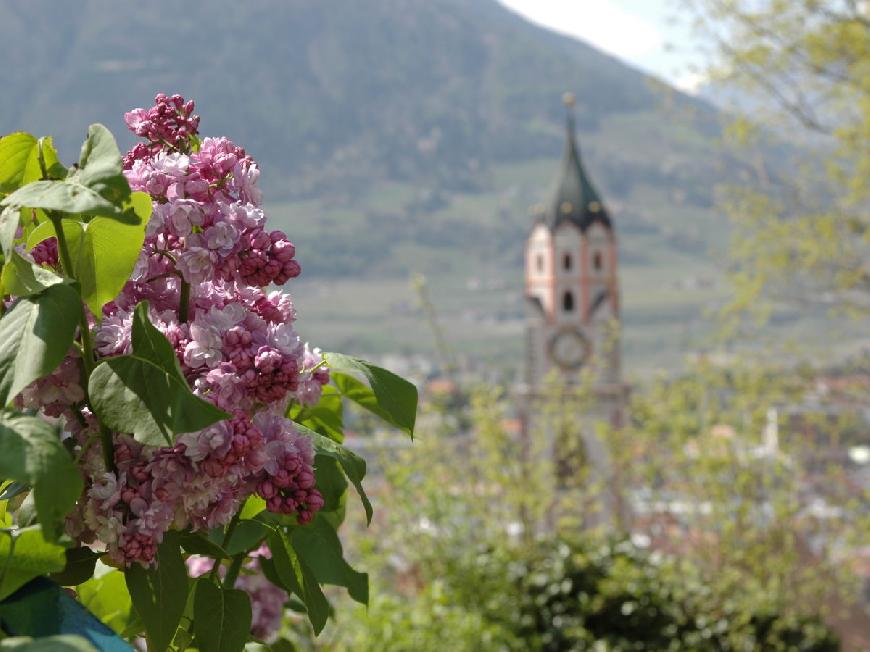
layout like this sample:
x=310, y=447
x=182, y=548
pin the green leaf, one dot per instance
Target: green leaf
x=392, y=398
x=327, y=417
x=96, y=187
x=247, y=535
x=254, y=646
x=31, y=452
x=353, y=465
x=253, y=506
x=131, y=394
x=9, y=218
x=267, y=566
x=20, y=164
x=336, y=517
x=35, y=335
x=145, y=393
x=15, y=149
x=331, y=481
x=149, y=343
x=80, y=564
x=281, y=645
x=100, y=165
x=159, y=594
x=360, y=393
x=184, y=639
x=106, y=596
x=24, y=279
x=68, y=196
x=317, y=544
x=25, y=554
x=221, y=617
x=296, y=577
x=33, y=169
x=61, y=643
x=104, y=251
x=197, y=543
x=109, y=254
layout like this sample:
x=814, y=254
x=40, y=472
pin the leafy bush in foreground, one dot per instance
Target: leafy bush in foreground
x=166, y=437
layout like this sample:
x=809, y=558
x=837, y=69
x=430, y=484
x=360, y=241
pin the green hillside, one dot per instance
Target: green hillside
x=402, y=136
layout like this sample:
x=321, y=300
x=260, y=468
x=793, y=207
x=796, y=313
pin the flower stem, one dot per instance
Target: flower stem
x=108, y=449
x=68, y=270
x=233, y=571
x=184, y=302
x=231, y=528
x=62, y=247
x=84, y=336
x=227, y=536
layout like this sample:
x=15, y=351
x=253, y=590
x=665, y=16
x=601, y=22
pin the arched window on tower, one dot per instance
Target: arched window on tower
x=597, y=261
x=566, y=262
x=568, y=301
x=539, y=263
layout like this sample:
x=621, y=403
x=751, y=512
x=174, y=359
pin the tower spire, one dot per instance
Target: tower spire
x=572, y=152
x=576, y=198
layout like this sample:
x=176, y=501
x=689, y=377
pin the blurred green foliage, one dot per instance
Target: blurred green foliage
x=477, y=547
x=563, y=596
x=800, y=70
x=615, y=597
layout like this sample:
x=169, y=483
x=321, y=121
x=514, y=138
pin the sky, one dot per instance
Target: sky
x=645, y=33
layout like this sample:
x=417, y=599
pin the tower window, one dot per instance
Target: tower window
x=539, y=262
x=566, y=262
x=568, y=302
x=597, y=261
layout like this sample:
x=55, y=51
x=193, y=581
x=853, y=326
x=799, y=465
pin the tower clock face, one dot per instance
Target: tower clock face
x=569, y=348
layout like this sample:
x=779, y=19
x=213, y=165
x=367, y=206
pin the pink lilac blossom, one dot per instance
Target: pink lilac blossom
x=287, y=482
x=56, y=393
x=235, y=344
x=213, y=229
x=45, y=253
x=313, y=378
x=169, y=123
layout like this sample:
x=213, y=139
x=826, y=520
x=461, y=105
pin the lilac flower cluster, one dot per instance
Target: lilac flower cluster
x=45, y=253
x=204, y=269
x=170, y=122
x=207, y=219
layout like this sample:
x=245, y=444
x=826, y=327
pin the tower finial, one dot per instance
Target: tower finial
x=569, y=101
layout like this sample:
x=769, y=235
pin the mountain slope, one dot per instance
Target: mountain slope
x=327, y=95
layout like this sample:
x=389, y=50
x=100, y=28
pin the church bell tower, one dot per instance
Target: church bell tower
x=572, y=289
